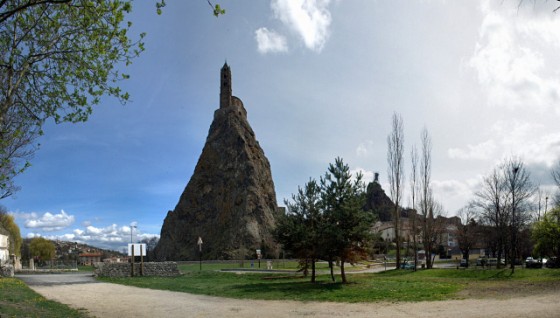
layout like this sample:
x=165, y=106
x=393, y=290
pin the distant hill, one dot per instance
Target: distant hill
x=71, y=250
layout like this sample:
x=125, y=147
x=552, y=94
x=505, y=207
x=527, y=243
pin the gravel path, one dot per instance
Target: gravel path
x=112, y=300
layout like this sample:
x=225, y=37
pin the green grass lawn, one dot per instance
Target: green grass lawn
x=425, y=285
x=18, y=300
x=85, y=268
x=288, y=265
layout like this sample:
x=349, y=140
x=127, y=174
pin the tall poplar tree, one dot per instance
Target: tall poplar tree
x=395, y=160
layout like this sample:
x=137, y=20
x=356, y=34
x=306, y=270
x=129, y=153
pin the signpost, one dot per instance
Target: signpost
x=200, y=252
x=259, y=257
x=132, y=250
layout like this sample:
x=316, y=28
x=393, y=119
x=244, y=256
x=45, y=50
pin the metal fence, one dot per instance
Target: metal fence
x=66, y=265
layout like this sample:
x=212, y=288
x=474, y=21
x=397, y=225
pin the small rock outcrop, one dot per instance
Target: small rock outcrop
x=230, y=201
x=380, y=204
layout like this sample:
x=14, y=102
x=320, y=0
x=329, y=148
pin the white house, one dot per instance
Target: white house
x=4, y=253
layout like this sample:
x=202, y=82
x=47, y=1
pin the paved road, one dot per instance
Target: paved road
x=57, y=279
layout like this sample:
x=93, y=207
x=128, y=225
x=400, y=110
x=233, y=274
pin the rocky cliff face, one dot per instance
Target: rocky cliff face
x=380, y=204
x=229, y=202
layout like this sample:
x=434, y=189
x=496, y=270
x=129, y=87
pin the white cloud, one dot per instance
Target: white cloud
x=364, y=148
x=109, y=237
x=530, y=141
x=513, y=58
x=456, y=193
x=310, y=19
x=46, y=222
x=367, y=176
x=270, y=41
x=92, y=230
x=484, y=150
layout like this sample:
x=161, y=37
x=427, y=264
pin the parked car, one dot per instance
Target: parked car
x=532, y=263
x=406, y=264
x=481, y=261
x=553, y=263
x=494, y=262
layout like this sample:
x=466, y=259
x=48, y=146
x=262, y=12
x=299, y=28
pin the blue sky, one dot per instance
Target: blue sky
x=319, y=79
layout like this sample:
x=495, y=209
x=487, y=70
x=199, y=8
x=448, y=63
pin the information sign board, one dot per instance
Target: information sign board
x=138, y=247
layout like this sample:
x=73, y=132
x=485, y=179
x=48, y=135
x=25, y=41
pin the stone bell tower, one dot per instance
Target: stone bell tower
x=225, y=86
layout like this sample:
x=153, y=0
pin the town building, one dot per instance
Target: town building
x=4, y=248
x=447, y=236
x=89, y=258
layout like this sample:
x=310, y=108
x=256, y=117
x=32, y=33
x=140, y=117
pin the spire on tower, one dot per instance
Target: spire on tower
x=225, y=86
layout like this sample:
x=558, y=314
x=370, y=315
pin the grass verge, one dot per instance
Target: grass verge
x=426, y=285
x=18, y=300
x=288, y=265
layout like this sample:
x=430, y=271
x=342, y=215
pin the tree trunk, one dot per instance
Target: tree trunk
x=313, y=270
x=429, y=256
x=414, y=240
x=499, y=265
x=342, y=272
x=397, y=238
x=331, y=268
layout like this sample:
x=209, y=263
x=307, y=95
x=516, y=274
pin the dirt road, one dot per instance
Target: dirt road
x=111, y=300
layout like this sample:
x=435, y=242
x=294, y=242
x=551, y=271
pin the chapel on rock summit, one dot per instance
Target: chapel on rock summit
x=229, y=201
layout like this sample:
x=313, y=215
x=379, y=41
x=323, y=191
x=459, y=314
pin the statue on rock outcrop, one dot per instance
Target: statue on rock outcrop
x=230, y=201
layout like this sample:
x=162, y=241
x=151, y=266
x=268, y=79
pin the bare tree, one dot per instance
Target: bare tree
x=467, y=231
x=395, y=150
x=427, y=202
x=414, y=191
x=520, y=190
x=504, y=203
x=491, y=202
x=555, y=172
x=540, y=201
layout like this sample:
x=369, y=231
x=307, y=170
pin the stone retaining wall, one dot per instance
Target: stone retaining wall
x=161, y=269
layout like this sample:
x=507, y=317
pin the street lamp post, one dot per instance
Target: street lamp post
x=132, y=227
x=387, y=243
x=259, y=257
x=200, y=252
